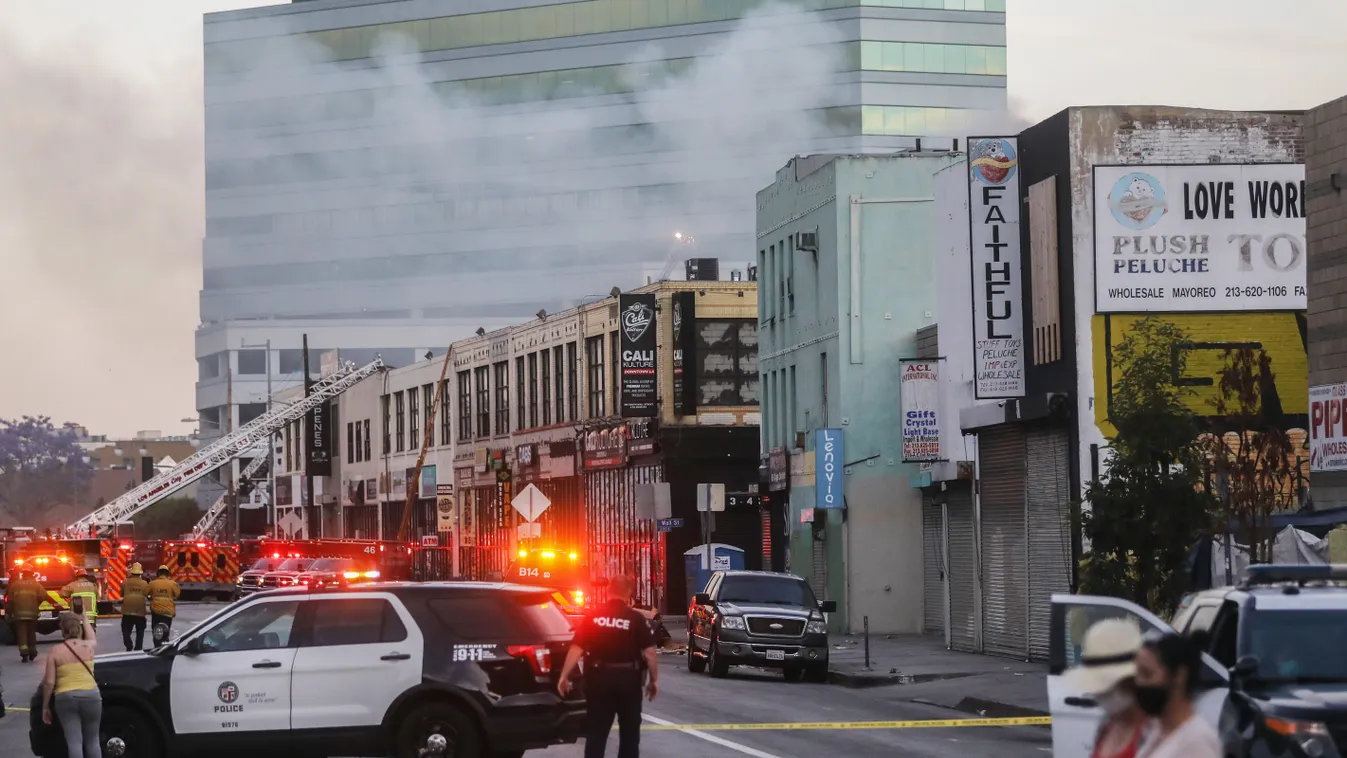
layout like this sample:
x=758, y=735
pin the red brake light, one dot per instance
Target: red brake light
x=538, y=656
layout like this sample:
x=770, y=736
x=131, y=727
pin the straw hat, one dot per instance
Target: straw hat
x=1107, y=656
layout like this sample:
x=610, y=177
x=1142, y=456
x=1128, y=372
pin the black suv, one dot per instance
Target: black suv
x=759, y=618
x=378, y=669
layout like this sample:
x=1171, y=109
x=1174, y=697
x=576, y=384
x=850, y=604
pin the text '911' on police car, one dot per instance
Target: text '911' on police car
x=376, y=669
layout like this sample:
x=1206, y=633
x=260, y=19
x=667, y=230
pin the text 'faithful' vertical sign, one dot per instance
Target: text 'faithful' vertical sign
x=828, y=463
x=994, y=236
x=639, y=373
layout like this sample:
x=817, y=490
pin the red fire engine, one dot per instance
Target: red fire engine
x=201, y=568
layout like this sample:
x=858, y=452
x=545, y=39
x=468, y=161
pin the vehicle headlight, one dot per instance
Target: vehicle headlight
x=732, y=622
x=1312, y=737
x=816, y=627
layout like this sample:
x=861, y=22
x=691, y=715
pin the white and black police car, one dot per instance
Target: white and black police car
x=462, y=669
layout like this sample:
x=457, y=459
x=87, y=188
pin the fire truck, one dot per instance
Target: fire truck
x=107, y=560
x=393, y=559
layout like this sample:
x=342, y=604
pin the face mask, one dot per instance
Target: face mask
x=1152, y=698
x=1114, y=702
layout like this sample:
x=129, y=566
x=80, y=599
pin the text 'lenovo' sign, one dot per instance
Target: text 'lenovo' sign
x=994, y=235
x=640, y=375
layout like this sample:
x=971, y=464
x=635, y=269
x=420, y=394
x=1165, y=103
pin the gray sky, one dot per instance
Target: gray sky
x=100, y=163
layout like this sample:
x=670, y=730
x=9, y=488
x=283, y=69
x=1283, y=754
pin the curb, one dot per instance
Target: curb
x=865, y=680
x=986, y=708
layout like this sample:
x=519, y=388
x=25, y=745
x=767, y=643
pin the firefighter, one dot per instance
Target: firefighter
x=24, y=606
x=135, y=606
x=163, y=594
x=86, y=592
x=619, y=650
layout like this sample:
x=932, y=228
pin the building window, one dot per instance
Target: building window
x=400, y=406
x=290, y=361
x=546, y=359
x=614, y=356
x=428, y=402
x=252, y=362
x=388, y=431
x=482, y=383
x=445, y=424
x=572, y=383
x=350, y=442
x=560, y=394
x=502, y=372
x=208, y=367
x=520, y=401
x=727, y=362
x=533, y=390
x=464, y=405
x=250, y=411
x=289, y=450
x=414, y=420
x=594, y=365
x=364, y=433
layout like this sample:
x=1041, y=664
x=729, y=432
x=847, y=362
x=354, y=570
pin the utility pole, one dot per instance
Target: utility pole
x=229, y=428
x=308, y=474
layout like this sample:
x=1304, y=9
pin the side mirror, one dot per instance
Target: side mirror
x=192, y=648
x=827, y=606
x=701, y=598
x=1245, y=667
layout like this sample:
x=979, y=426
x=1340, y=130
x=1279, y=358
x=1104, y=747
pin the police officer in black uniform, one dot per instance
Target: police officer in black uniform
x=613, y=639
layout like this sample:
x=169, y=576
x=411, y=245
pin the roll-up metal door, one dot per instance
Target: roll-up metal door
x=933, y=565
x=961, y=547
x=1048, y=490
x=819, y=571
x=1004, y=555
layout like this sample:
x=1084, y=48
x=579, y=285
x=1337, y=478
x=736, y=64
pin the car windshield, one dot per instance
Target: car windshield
x=332, y=564
x=1299, y=646
x=263, y=564
x=770, y=590
x=548, y=573
x=295, y=564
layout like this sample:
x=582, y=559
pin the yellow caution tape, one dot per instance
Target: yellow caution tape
x=12, y=708
x=820, y=725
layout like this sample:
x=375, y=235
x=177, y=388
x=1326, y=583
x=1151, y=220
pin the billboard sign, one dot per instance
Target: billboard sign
x=994, y=237
x=828, y=462
x=639, y=374
x=1328, y=427
x=684, y=353
x=1205, y=237
x=919, y=398
x=319, y=442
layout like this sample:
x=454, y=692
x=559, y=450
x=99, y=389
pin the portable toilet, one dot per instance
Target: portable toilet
x=723, y=558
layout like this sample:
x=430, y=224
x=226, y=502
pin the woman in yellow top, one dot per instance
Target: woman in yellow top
x=70, y=677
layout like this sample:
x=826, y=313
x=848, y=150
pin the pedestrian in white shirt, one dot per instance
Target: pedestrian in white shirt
x=1167, y=669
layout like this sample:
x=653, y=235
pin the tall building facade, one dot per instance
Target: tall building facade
x=391, y=175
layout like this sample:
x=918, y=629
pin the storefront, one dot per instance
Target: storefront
x=617, y=460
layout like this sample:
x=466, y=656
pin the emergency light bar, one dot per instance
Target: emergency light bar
x=1265, y=574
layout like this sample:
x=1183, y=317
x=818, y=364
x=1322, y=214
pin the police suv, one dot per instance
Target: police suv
x=377, y=669
x=1273, y=681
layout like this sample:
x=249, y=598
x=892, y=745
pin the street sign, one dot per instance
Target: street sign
x=530, y=502
x=670, y=524
x=710, y=497
x=741, y=499
x=530, y=531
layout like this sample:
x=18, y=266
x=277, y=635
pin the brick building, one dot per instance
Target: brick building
x=1326, y=237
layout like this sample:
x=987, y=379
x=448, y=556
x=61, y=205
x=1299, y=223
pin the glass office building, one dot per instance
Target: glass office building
x=392, y=174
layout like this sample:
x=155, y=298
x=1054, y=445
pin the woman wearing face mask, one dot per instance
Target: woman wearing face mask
x=1107, y=665
x=1167, y=668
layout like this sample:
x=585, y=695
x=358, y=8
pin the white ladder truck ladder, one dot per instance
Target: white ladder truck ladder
x=251, y=435
x=208, y=522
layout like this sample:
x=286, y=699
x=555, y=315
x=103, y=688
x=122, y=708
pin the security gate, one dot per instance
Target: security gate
x=933, y=565
x=1003, y=541
x=1048, y=510
x=962, y=548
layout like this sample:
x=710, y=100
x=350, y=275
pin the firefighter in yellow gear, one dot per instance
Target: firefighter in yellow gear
x=84, y=590
x=164, y=593
x=135, y=607
x=23, y=608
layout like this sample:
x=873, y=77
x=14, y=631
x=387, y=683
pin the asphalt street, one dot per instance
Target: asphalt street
x=746, y=697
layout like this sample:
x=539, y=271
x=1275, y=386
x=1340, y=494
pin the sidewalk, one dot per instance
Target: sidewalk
x=919, y=669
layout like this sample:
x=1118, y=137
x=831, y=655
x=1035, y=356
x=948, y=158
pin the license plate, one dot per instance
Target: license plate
x=776, y=655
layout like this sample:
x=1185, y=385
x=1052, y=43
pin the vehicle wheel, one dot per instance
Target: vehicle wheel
x=716, y=665
x=438, y=718
x=817, y=674
x=792, y=674
x=138, y=735
x=7, y=635
x=695, y=663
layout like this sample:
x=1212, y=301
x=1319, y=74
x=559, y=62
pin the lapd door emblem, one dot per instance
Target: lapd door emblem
x=636, y=320
x=228, y=692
